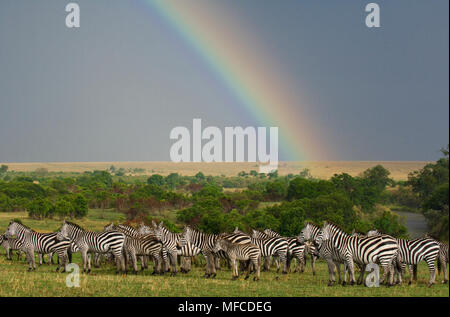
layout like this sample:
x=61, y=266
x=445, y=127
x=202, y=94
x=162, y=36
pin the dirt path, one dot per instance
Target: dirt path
x=415, y=222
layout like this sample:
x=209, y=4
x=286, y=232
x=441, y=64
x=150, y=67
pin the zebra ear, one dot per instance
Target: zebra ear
x=154, y=224
x=353, y=231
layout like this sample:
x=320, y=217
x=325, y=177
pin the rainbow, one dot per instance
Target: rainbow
x=242, y=66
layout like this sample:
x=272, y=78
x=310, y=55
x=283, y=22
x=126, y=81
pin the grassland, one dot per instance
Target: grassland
x=322, y=169
x=16, y=281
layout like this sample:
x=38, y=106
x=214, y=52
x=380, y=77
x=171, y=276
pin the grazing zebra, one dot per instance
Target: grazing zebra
x=41, y=243
x=271, y=246
x=142, y=246
x=11, y=245
x=361, y=250
x=295, y=250
x=98, y=242
x=411, y=252
x=240, y=252
x=206, y=242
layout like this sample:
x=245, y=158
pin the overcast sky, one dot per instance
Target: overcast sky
x=113, y=89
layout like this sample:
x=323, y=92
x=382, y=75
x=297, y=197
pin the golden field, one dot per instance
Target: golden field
x=320, y=169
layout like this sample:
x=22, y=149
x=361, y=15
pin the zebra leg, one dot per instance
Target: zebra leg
x=8, y=253
x=266, y=264
x=443, y=265
x=331, y=267
x=173, y=261
x=84, y=259
x=41, y=259
x=430, y=263
x=257, y=268
x=361, y=274
x=351, y=270
x=235, y=269
x=217, y=263
x=283, y=261
x=313, y=264
x=134, y=262
x=31, y=260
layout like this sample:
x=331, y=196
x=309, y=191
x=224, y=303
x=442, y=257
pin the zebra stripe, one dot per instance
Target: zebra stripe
x=296, y=250
x=206, y=242
x=361, y=250
x=97, y=242
x=142, y=246
x=41, y=243
x=411, y=252
x=11, y=245
x=271, y=246
x=240, y=252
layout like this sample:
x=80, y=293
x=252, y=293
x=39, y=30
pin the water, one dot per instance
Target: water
x=415, y=222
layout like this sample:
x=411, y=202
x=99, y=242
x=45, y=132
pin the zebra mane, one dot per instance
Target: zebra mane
x=336, y=226
x=21, y=224
x=75, y=225
x=311, y=224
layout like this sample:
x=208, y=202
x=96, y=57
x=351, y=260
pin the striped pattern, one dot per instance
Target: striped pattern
x=95, y=242
x=271, y=246
x=41, y=243
x=206, y=242
x=143, y=246
x=382, y=250
x=411, y=252
x=11, y=245
x=240, y=252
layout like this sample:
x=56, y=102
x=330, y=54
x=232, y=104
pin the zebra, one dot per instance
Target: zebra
x=99, y=242
x=170, y=242
x=143, y=245
x=442, y=258
x=132, y=232
x=271, y=246
x=411, y=252
x=242, y=252
x=361, y=250
x=41, y=243
x=10, y=245
x=309, y=233
x=206, y=242
x=295, y=250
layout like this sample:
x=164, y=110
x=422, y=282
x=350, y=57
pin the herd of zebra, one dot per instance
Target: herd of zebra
x=125, y=245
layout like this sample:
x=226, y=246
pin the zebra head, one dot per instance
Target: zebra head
x=144, y=229
x=12, y=229
x=185, y=237
x=159, y=231
x=272, y=233
x=109, y=227
x=307, y=233
x=373, y=233
x=258, y=234
x=63, y=233
x=221, y=244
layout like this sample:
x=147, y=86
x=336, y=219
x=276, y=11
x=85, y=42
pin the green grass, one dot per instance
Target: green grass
x=16, y=281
